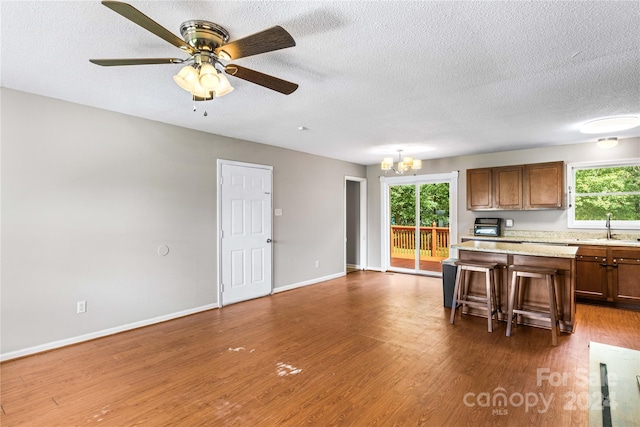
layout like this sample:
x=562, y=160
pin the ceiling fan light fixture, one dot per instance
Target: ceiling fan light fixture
x=224, y=87
x=187, y=78
x=224, y=55
x=610, y=124
x=200, y=92
x=209, y=77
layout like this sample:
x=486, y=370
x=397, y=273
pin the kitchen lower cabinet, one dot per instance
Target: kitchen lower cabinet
x=626, y=275
x=610, y=275
x=591, y=273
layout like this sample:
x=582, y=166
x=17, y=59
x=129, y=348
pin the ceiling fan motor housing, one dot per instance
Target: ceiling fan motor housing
x=204, y=35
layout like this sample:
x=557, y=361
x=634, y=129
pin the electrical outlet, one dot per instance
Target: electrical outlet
x=317, y=264
x=81, y=307
x=509, y=222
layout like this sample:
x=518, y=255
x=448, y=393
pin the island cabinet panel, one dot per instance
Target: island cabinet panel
x=536, y=296
x=625, y=266
x=591, y=273
x=507, y=186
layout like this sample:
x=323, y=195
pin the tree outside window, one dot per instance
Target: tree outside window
x=606, y=189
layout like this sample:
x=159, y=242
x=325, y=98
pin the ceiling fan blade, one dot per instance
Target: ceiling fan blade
x=136, y=61
x=137, y=17
x=261, y=79
x=271, y=39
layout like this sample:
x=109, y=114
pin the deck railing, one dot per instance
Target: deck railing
x=434, y=242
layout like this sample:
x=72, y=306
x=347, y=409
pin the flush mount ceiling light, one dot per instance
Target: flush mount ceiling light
x=607, y=142
x=610, y=124
x=404, y=164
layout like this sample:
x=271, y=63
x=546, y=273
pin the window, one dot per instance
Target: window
x=600, y=188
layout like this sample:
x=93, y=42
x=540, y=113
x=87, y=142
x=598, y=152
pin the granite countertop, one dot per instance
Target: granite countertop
x=562, y=238
x=534, y=249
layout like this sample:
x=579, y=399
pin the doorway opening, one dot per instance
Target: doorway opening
x=355, y=224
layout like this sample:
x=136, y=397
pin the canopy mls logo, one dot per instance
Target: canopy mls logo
x=499, y=400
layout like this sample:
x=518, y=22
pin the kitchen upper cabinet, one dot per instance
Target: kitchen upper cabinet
x=544, y=184
x=479, y=189
x=519, y=187
x=507, y=188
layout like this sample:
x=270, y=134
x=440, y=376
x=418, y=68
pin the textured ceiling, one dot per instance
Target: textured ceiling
x=438, y=79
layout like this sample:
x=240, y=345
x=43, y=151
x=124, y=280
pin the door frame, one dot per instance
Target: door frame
x=219, y=164
x=362, y=242
x=385, y=183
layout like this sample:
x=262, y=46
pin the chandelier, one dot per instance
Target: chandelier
x=404, y=164
x=202, y=79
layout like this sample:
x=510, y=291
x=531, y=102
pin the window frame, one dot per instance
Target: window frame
x=571, y=180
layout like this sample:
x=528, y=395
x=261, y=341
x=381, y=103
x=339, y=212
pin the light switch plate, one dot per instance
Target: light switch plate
x=278, y=212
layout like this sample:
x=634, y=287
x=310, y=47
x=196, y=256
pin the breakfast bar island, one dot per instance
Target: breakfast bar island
x=505, y=255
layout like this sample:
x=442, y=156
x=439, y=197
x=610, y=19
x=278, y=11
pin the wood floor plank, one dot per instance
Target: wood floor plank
x=366, y=349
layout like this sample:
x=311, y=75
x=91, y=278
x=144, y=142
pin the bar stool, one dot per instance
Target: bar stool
x=515, y=306
x=461, y=297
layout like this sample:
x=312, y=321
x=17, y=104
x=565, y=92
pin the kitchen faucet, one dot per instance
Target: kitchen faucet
x=607, y=224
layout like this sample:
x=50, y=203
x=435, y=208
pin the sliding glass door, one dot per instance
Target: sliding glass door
x=402, y=226
x=419, y=211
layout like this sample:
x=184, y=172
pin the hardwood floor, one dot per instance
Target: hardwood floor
x=366, y=349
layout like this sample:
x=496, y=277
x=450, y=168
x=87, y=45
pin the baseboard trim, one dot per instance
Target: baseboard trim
x=308, y=282
x=103, y=333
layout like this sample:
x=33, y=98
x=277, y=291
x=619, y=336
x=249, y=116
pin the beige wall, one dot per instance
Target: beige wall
x=89, y=195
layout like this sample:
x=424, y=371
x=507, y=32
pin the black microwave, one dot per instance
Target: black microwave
x=487, y=227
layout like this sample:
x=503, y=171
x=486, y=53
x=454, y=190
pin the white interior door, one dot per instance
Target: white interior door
x=245, y=233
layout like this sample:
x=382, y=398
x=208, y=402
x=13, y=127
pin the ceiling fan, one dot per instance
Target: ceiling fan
x=207, y=44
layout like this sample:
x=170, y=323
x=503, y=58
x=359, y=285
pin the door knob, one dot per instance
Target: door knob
x=268, y=240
